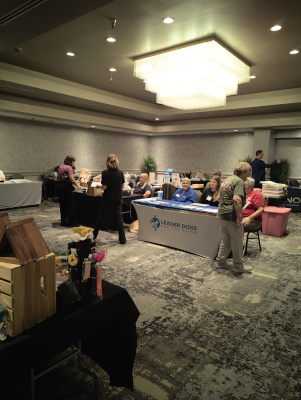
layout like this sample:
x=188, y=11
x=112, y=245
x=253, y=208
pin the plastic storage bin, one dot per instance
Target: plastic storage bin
x=274, y=220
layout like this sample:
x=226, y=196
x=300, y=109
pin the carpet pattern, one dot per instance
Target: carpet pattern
x=203, y=333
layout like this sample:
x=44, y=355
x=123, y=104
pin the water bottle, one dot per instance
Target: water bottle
x=3, y=327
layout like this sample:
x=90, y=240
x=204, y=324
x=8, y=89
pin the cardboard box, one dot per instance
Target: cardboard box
x=94, y=190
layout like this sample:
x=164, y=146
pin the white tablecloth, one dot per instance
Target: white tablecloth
x=193, y=232
x=20, y=193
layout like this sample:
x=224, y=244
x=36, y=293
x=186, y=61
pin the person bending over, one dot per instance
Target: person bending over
x=143, y=187
x=232, y=200
x=65, y=187
x=210, y=196
x=186, y=193
x=254, y=206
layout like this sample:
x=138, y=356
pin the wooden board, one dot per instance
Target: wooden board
x=26, y=241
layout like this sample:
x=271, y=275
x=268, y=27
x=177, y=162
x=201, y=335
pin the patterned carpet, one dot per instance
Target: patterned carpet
x=203, y=333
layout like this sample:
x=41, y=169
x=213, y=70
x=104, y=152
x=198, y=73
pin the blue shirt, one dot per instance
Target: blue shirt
x=139, y=190
x=189, y=196
x=258, y=169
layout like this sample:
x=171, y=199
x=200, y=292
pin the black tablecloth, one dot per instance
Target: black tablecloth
x=106, y=327
x=87, y=208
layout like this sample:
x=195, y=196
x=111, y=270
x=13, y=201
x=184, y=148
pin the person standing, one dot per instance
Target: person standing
x=258, y=168
x=231, y=201
x=112, y=183
x=65, y=187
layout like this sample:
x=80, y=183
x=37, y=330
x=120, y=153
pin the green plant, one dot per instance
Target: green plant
x=247, y=159
x=149, y=164
x=280, y=172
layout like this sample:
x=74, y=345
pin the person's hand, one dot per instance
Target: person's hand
x=238, y=223
x=246, y=221
x=278, y=161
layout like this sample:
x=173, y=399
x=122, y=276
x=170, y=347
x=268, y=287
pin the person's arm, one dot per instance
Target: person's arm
x=73, y=181
x=271, y=165
x=148, y=191
x=256, y=214
x=238, y=209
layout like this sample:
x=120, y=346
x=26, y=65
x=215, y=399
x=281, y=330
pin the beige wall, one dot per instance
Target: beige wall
x=31, y=148
x=206, y=152
x=34, y=147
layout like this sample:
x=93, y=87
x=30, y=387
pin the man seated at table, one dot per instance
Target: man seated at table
x=254, y=206
x=2, y=176
x=143, y=187
x=185, y=194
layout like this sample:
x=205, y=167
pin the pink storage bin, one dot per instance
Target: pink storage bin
x=274, y=220
x=258, y=190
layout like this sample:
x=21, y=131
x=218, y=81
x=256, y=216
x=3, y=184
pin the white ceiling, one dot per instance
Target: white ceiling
x=42, y=82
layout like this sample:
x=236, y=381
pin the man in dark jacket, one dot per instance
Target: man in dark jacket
x=258, y=168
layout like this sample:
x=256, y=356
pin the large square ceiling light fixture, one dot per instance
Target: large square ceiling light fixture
x=193, y=76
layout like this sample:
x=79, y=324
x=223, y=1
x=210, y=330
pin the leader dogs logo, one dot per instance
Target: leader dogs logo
x=156, y=224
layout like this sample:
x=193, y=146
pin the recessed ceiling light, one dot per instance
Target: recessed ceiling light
x=294, y=51
x=276, y=28
x=168, y=20
x=111, y=39
x=157, y=119
x=252, y=76
x=235, y=130
x=92, y=126
x=113, y=69
x=150, y=134
x=70, y=54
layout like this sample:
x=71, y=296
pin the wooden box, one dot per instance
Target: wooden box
x=27, y=274
x=28, y=292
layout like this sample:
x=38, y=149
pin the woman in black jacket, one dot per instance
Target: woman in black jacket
x=210, y=196
x=112, y=182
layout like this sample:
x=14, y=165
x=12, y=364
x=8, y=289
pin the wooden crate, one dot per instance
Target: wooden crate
x=21, y=292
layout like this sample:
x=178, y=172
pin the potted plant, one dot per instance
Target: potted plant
x=149, y=166
x=280, y=172
x=247, y=159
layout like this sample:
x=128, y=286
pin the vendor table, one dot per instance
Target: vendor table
x=106, y=328
x=191, y=228
x=17, y=193
x=87, y=207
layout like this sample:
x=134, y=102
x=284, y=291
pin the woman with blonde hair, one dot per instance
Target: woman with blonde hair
x=112, y=183
x=210, y=196
x=143, y=187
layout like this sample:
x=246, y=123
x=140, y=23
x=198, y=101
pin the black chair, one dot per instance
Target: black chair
x=198, y=195
x=168, y=191
x=256, y=233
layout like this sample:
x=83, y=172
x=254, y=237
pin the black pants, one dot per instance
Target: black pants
x=64, y=191
x=110, y=216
